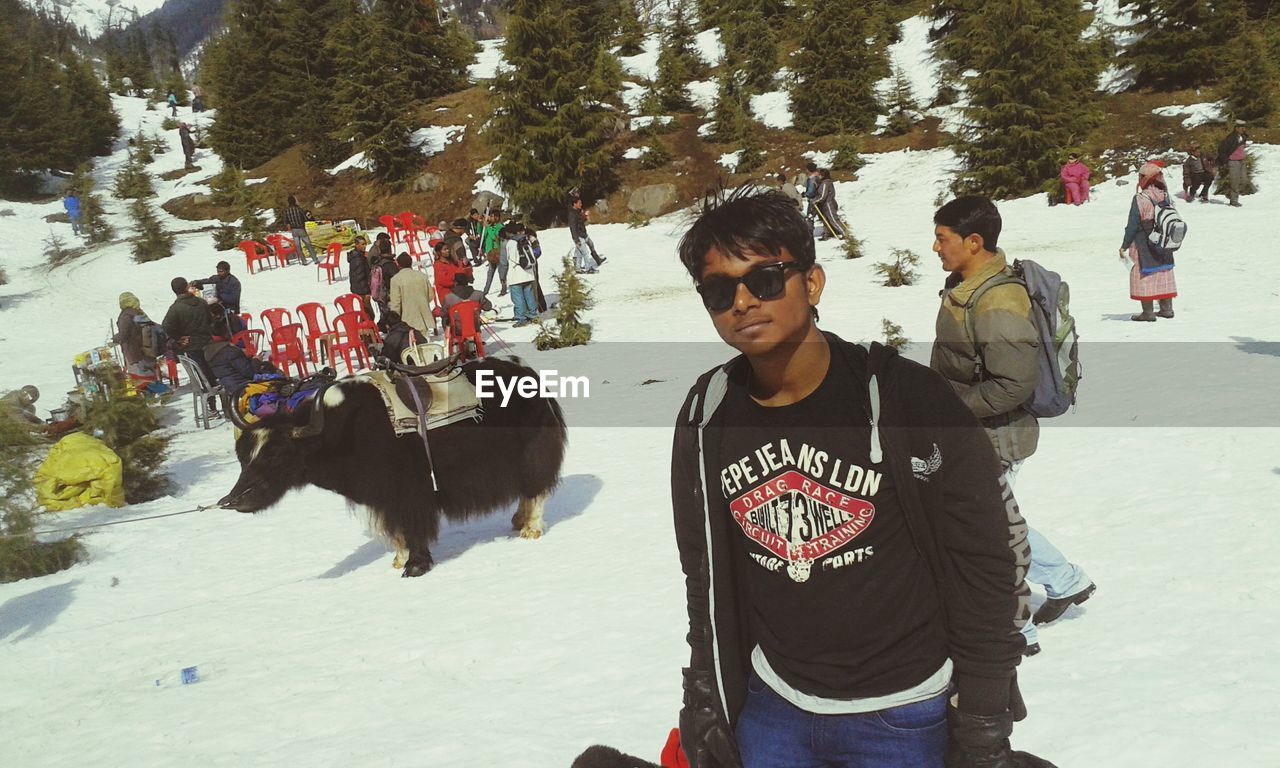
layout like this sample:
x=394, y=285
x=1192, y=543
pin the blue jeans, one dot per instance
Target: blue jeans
x=524, y=301
x=774, y=734
x=500, y=268
x=1049, y=567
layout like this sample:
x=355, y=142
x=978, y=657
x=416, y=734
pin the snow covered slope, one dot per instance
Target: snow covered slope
x=94, y=15
x=519, y=653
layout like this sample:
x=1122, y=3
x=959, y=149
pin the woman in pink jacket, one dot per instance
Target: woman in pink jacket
x=1075, y=180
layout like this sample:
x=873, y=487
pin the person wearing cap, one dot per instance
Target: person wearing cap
x=1075, y=180
x=455, y=240
x=21, y=403
x=1151, y=274
x=189, y=324
x=1196, y=175
x=522, y=274
x=358, y=269
x=226, y=287
x=1231, y=154
x=129, y=336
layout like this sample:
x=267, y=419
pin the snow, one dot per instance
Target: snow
x=518, y=653
x=1197, y=114
x=434, y=138
x=823, y=159
x=730, y=160
x=914, y=55
x=93, y=14
x=357, y=160
x=632, y=95
x=644, y=65
x=640, y=122
x=708, y=46
x=635, y=153
x=1109, y=20
x=488, y=182
x=773, y=109
x=489, y=61
x=703, y=94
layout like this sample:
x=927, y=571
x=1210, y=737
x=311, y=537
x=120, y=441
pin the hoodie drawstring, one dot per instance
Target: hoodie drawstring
x=876, y=454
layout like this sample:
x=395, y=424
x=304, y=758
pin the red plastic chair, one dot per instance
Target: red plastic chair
x=254, y=253
x=316, y=320
x=286, y=349
x=413, y=245
x=249, y=340
x=284, y=248
x=275, y=318
x=392, y=227
x=464, y=326
x=246, y=319
x=332, y=262
x=434, y=235
x=347, y=331
x=348, y=302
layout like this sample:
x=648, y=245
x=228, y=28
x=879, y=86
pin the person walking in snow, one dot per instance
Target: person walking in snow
x=172, y=99
x=494, y=253
x=790, y=190
x=71, y=204
x=827, y=207
x=1196, y=174
x=811, y=539
x=1231, y=154
x=188, y=144
x=1075, y=180
x=1151, y=274
x=584, y=248
x=995, y=373
x=296, y=220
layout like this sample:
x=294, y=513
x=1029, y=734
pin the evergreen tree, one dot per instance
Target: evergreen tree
x=411, y=36
x=552, y=127
x=836, y=69
x=900, y=105
x=93, y=221
x=22, y=555
x=630, y=39
x=244, y=70
x=1032, y=94
x=133, y=182
x=152, y=242
x=90, y=117
x=751, y=44
x=678, y=63
x=606, y=79
x=732, y=120
x=312, y=67
x=570, y=329
x=1182, y=43
x=1251, y=79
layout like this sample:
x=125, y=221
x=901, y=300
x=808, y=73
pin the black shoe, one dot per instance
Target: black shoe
x=1235, y=204
x=600, y=260
x=1054, y=607
x=1031, y=650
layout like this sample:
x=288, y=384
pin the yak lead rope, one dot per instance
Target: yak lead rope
x=422, y=430
x=71, y=528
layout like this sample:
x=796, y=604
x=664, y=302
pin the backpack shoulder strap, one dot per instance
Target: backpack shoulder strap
x=972, y=303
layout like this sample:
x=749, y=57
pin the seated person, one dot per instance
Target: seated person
x=397, y=338
x=1075, y=180
x=463, y=291
x=447, y=266
x=232, y=368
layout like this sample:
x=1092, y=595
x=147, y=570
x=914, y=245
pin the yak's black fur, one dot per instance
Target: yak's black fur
x=513, y=453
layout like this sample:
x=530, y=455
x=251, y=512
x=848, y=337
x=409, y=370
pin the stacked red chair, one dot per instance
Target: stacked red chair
x=319, y=335
x=274, y=318
x=284, y=247
x=287, y=349
x=254, y=253
x=250, y=340
x=347, y=329
x=463, y=326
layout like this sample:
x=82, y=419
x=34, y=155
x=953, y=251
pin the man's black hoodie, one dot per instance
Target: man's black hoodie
x=966, y=525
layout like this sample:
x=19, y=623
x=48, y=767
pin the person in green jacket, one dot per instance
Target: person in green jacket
x=491, y=247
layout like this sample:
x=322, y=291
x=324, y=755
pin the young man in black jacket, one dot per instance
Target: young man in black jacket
x=854, y=578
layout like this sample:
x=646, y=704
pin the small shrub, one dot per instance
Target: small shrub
x=226, y=237
x=152, y=242
x=169, y=124
x=93, y=220
x=637, y=220
x=570, y=330
x=852, y=246
x=1223, y=185
x=656, y=157
x=893, y=337
x=901, y=270
x=57, y=252
x=133, y=182
x=848, y=155
x=128, y=426
x=22, y=556
x=4, y=277
x=142, y=149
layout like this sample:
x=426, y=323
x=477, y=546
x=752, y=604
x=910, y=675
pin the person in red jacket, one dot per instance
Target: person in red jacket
x=1075, y=180
x=447, y=267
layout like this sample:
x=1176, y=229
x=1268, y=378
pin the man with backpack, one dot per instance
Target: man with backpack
x=836, y=583
x=1231, y=156
x=989, y=348
x=141, y=340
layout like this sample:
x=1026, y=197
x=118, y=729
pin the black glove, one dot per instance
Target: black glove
x=704, y=735
x=982, y=741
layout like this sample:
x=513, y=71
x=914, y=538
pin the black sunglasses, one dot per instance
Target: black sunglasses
x=765, y=283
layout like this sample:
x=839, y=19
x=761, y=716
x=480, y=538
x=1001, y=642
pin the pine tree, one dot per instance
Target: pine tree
x=1250, y=88
x=152, y=241
x=606, y=79
x=22, y=555
x=678, y=63
x=312, y=67
x=1182, y=43
x=128, y=426
x=243, y=70
x=133, y=182
x=1032, y=94
x=93, y=221
x=751, y=44
x=552, y=127
x=90, y=115
x=836, y=69
x=570, y=329
x=732, y=121
x=630, y=39
x=410, y=35
x=848, y=156
x=900, y=105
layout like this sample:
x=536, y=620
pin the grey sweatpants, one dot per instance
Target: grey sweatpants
x=1235, y=172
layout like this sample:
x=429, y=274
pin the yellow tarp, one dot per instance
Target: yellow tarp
x=80, y=470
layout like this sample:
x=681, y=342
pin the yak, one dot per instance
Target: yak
x=512, y=451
